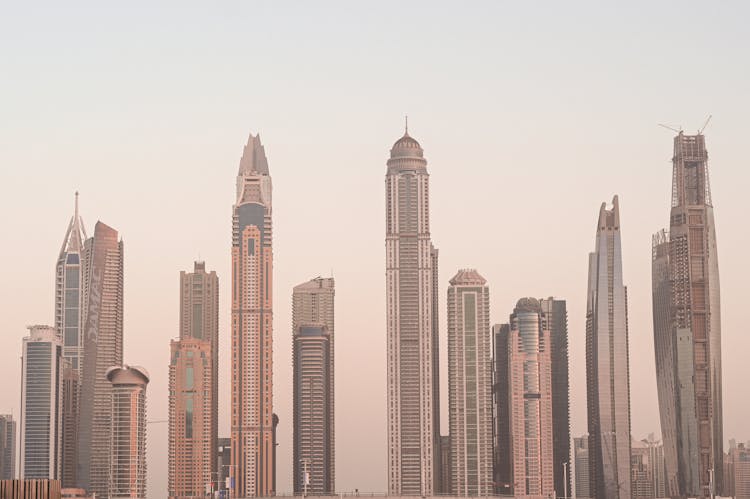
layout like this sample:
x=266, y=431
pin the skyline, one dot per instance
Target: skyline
x=491, y=139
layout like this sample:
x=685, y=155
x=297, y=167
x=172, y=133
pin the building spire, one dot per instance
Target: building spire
x=406, y=124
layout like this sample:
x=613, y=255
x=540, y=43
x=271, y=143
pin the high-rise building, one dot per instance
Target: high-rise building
x=439, y=467
x=7, y=447
x=738, y=472
x=252, y=327
x=530, y=399
x=413, y=439
x=313, y=353
x=607, y=372
x=312, y=440
x=687, y=327
x=193, y=386
x=445, y=465
x=102, y=349
x=127, y=473
x=641, y=471
x=470, y=384
x=223, y=462
x=581, y=459
x=191, y=460
x=501, y=410
x=41, y=403
x=69, y=308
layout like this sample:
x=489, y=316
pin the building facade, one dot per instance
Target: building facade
x=470, y=384
x=501, y=410
x=413, y=439
x=314, y=424
x=641, y=471
x=193, y=386
x=127, y=473
x=7, y=447
x=253, y=453
x=687, y=327
x=581, y=459
x=607, y=361
x=102, y=348
x=41, y=404
x=530, y=399
x=70, y=301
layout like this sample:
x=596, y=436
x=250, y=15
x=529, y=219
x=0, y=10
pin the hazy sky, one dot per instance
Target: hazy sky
x=531, y=114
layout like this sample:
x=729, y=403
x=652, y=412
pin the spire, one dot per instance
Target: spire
x=75, y=234
x=406, y=125
x=253, y=157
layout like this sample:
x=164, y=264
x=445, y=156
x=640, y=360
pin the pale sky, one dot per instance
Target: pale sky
x=530, y=113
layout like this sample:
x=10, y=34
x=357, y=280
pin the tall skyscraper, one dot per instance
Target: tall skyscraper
x=530, y=398
x=252, y=327
x=556, y=315
x=641, y=471
x=413, y=440
x=127, y=472
x=313, y=352
x=687, y=328
x=470, y=384
x=69, y=308
x=607, y=372
x=7, y=447
x=501, y=410
x=438, y=467
x=581, y=459
x=41, y=403
x=193, y=385
x=102, y=348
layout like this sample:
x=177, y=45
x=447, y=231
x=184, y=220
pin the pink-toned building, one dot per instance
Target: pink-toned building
x=530, y=398
x=252, y=432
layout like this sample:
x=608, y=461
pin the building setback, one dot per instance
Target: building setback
x=687, y=328
x=128, y=431
x=7, y=447
x=530, y=399
x=607, y=371
x=70, y=299
x=252, y=428
x=102, y=348
x=413, y=439
x=314, y=409
x=193, y=386
x=470, y=384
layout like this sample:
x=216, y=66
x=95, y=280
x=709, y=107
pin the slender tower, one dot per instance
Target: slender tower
x=470, y=384
x=413, y=438
x=313, y=351
x=252, y=327
x=7, y=447
x=193, y=386
x=69, y=305
x=607, y=373
x=687, y=328
x=102, y=348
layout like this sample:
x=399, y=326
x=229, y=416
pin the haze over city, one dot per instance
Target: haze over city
x=530, y=116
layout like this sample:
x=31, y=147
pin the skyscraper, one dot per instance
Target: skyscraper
x=127, y=463
x=41, y=403
x=607, y=372
x=556, y=316
x=470, y=384
x=687, y=328
x=313, y=353
x=7, y=447
x=69, y=308
x=641, y=471
x=413, y=439
x=530, y=398
x=581, y=458
x=102, y=348
x=193, y=385
x=501, y=410
x=252, y=327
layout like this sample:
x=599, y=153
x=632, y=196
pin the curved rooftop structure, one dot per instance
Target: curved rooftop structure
x=528, y=304
x=128, y=375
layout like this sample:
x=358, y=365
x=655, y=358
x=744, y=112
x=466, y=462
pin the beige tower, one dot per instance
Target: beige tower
x=193, y=386
x=127, y=471
x=413, y=438
x=470, y=384
x=253, y=453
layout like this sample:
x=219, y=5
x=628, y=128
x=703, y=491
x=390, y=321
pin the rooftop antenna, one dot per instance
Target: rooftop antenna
x=670, y=127
x=406, y=124
x=700, y=132
x=76, y=208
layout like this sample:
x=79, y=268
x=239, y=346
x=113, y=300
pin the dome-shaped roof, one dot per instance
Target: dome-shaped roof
x=406, y=147
x=528, y=305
